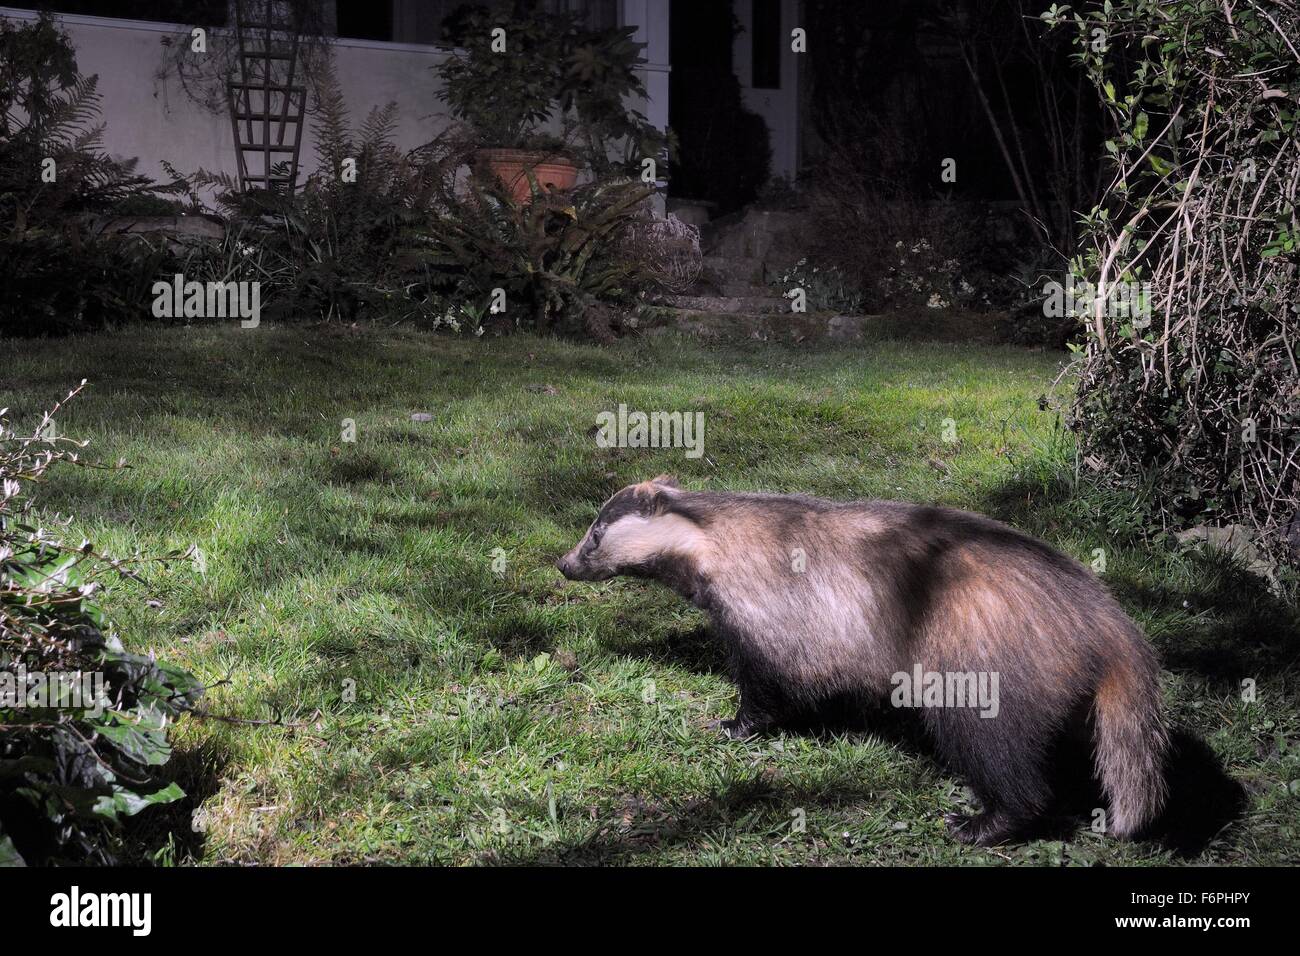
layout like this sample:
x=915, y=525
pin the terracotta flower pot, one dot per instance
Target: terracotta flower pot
x=510, y=166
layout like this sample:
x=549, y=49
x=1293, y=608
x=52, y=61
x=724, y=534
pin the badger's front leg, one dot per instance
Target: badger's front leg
x=761, y=706
x=762, y=697
x=749, y=721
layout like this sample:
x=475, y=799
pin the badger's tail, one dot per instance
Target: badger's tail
x=1130, y=737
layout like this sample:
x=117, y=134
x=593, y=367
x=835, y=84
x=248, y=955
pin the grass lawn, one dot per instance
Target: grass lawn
x=512, y=716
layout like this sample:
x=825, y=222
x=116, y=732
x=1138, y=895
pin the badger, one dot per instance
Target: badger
x=817, y=600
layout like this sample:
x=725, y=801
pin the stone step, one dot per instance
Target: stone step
x=732, y=268
x=747, y=290
x=759, y=234
x=763, y=327
x=711, y=285
x=729, y=305
x=691, y=211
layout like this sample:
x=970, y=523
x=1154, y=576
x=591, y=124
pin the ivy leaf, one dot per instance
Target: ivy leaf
x=141, y=743
x=125, y=803
x=9, y=855
x=1162, y=166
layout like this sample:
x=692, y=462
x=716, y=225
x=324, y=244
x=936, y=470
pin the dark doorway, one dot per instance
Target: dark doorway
x=364, y=20
x=724, y=155
x=766, y=45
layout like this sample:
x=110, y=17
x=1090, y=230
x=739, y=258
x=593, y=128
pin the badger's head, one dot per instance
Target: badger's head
x=634, y=530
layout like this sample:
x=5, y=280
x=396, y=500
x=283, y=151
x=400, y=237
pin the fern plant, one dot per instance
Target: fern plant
x=377, y=230
x=556, y=257
x=52, y=162
x=54, y=174
x=346, y=244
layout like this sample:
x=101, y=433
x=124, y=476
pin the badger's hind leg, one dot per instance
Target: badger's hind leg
x=1003, y=761
x=989, y=828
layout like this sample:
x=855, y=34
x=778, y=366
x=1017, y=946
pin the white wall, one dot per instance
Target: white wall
x=149, y=115
x=651, y=19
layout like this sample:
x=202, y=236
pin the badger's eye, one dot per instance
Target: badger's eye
x=595, y=537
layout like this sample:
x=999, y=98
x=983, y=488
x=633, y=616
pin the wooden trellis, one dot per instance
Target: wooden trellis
x=266, y=105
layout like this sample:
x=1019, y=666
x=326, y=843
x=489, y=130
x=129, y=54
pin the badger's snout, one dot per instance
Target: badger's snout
x=568, y=566
x=573, y=567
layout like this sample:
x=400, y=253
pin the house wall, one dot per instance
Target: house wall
x=150, y=116
x=651, y=19
x=778, y=107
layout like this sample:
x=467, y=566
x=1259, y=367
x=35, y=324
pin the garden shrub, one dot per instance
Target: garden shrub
x=345, y=245
x=54, y=176
x=557, y=68
x=896, y=244
x=505, y=99
x=827, y=288
x=894, y=250
x=560, y=259
x=425, y=235
x=374, y=231
x=1188, y=284
x=71, y=769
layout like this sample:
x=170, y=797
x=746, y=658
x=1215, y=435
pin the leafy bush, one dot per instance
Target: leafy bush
x=827, y=289
x=505, y=97
x=424, y=235
x=346, y=245
x=1189, y=276
x=900, y=248
x=59, y=274
x=600, y=76
x=552, y=67
x=54, y=285
x=898, y=251
x=71, y=769
x=559, y=258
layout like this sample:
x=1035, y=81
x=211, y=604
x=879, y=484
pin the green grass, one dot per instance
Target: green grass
x=514, y=716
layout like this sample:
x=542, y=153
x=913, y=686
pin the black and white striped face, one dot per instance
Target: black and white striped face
x=631, y=530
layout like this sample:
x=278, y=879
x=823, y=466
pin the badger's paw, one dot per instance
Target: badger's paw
x=982, y=829
x=737, y=728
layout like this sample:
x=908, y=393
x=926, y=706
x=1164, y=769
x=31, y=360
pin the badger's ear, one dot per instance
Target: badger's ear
x=668, y=481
